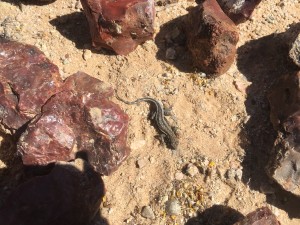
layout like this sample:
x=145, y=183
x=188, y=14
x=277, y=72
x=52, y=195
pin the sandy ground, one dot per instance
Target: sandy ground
x=223, y=123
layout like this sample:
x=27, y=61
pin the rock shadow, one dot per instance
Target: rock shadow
x=11, y=167
x=216, y=215
x=262, y=62
x=171, y=37
x=74, y=27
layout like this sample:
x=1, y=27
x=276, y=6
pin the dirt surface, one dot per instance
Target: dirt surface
x=223, y=123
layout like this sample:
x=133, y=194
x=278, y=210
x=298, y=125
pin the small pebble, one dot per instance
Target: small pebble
x=141, y=163
x=148, y=213
x=191, y=170
x=239, y=174
x=173, y=207
x=87, y=54
x=179, y=176
x=171, y=53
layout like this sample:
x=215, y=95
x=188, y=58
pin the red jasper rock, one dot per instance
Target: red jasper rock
x=211, y=38
x=27, y=80
x=238, y=10
x=70, y=194
x=120, y=25
x=261, y=216
x=78, y=121
x=284, y=166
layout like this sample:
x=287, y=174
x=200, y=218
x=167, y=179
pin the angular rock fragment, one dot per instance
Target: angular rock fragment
x=284, y=98
x=295, y=51
x=238, y=10
x=261, y=216
x=120, y=25
x=211, y=38
x=78, y=121
x=27, y=80
x=70, y=194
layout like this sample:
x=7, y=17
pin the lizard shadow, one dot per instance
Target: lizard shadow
x=262, y=62
x=216, y=215
x=172, y=36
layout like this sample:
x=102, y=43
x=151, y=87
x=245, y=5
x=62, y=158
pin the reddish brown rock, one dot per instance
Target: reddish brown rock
x=211, y=38
x=27, y=80
x=238, y=10
x=284, y=166
x=78, y=121
x=120, y=25
x=70, y=194
x=261, y=216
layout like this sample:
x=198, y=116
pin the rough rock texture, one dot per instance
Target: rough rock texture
x=79, y=121
x=211, y=38
x=261, y=216
x=27, y=80
x=70, y=194
x=284, y=99
x=295, y=51
x=120, y=25
x=238, y=10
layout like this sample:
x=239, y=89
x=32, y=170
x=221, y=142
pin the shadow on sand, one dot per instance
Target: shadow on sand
x=172, y=35
x=262, y=61
x=216, y=215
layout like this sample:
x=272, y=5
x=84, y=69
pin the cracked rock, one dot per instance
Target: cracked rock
x=79, y=121
x=120, y=25
x=27, y=80
x=261, y=216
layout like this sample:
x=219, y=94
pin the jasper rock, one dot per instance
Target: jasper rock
x=238, y=10
x=120, y=25
x=27, y=80
x=261, y=216
x=70, y=194
x=78, y=121
x=284, y=166
x=295, y=51
x=211, y=38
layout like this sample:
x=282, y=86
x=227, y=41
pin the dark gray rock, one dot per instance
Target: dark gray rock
x=238, y=10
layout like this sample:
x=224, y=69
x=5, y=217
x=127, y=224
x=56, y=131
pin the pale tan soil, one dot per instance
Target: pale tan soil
x=228, y=126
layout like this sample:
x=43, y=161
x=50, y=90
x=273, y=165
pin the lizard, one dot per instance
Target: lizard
x=167, y=133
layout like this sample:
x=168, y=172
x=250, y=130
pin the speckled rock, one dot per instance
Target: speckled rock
x=211, y=38
x=284, y=166
x=27, y=80
x=173, y=207
x=70, y=194
x=238, y=10
x=261, y=216
x=120, y=25
x=79, y=121
x=295, y=51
